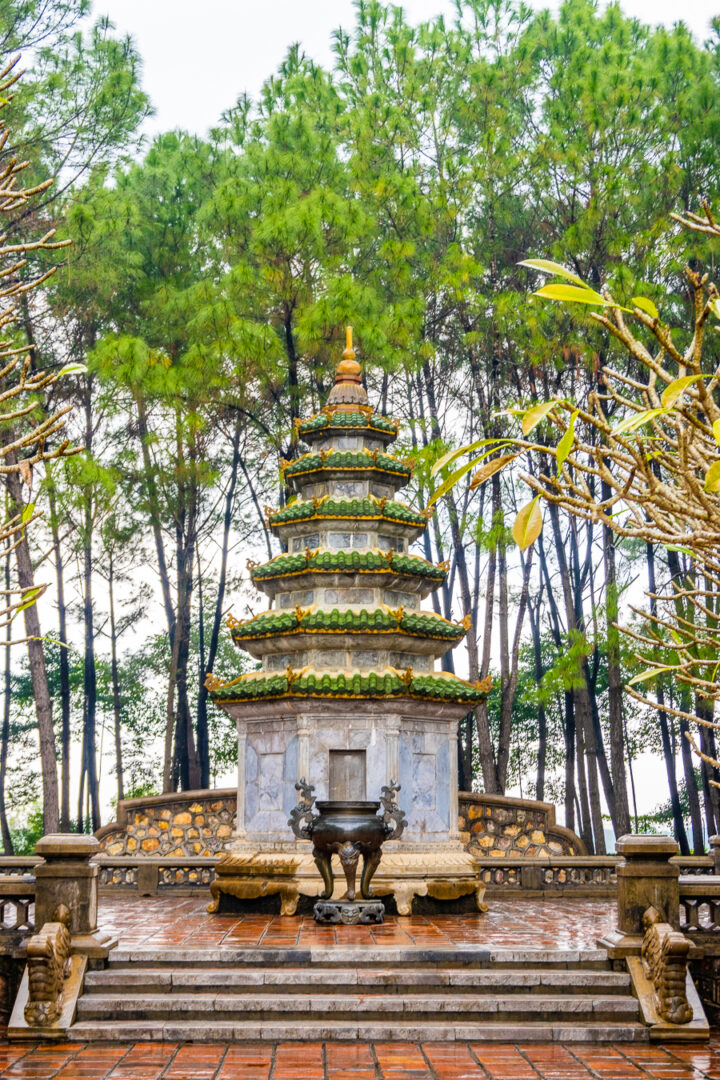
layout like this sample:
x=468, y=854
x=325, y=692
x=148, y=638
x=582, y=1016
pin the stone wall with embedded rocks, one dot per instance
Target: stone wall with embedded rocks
x=200, y=823
x=185, y=823
x=497, y=827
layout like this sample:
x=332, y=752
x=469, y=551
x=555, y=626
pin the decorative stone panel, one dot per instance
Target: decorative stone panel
x=496, y=827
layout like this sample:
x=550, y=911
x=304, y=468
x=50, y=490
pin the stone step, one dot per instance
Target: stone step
x=339, y=956
x=369, y=1031
x=414, y=1007
x=136, y=979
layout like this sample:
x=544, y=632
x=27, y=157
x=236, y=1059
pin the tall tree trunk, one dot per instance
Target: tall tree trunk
x=534, y=616
x=571, y=799
x=208, y=666
x=64, y=667
x=621, y=815
x=510, y=684
x=38, y=670
x=8, y=848
x=668, y=755
x=89, y=668
x=117, y=707
x=583, y=711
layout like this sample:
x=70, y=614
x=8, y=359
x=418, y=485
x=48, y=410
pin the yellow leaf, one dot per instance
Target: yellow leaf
x=631, y=423
x=675, y=390
x=452, y=455
x=647, y=306
x=549, y=267
x=651, y=673
x=716, y=431
x=574, y=293
x=712, y=477
x=490, y=468
x=533, y=416
x=528, y=524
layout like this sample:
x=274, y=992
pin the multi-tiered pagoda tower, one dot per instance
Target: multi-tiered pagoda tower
x=348, y=696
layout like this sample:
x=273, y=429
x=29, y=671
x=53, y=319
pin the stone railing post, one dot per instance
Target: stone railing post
x=646, y=878
x=66, y=937
x=68, y=877
x=715, y=853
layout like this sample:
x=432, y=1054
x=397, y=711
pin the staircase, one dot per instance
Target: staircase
x=353, y=993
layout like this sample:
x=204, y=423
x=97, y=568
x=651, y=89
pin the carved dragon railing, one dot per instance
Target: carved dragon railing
x=48, y=965
x=665, y=961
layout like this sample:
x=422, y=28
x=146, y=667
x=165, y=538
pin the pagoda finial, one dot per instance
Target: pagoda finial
x=348, y=392
x=349, y=353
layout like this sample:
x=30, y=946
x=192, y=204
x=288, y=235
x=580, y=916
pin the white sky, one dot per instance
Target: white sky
x=199, y=57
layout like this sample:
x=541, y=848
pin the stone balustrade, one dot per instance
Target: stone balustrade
x=17, y=903
x=700, y=905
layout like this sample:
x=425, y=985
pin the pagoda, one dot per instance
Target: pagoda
x=347, y=696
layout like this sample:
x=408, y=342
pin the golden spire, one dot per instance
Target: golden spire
x=349, y=353
x=348, y=391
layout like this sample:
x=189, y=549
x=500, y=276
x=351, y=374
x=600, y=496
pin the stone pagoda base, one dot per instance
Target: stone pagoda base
x=437, y=877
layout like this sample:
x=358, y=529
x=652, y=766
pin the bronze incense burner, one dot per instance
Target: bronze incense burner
x=348, y=829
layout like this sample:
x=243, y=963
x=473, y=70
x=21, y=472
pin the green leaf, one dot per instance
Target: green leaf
x=453, y=455
x=716, y=431
x=533, y=416
x=565, y=445
x=675, y=390
x=27, y=513
x=712, y=477
x=73, y=369
x=646, y=676
x=549, y=267
x=528, y=524
x=632, y=423
x=646, y=305
x=490, y=468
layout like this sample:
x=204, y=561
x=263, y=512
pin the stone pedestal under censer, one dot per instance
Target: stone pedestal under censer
x=348, y=697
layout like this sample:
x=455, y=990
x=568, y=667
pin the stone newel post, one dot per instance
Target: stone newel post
x=646, y=878
x=68, y=877
x=715, y=853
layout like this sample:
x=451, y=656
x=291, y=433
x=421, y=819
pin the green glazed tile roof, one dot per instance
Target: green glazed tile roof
x=367, y=508
x=372, y=685
x=350, y=562
x=378, y=621
x=351, y=460
x=348, y=421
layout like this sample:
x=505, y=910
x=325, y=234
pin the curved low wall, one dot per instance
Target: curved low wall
x=199, y=823
x=177, y=824
x=498, y=827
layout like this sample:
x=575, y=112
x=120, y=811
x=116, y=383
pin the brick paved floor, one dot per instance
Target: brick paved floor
x=178, y=920
x=359, y=1061
x=529, y=924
